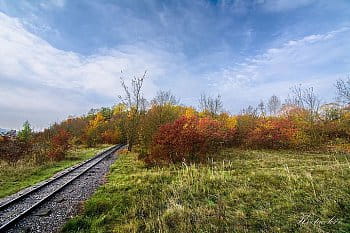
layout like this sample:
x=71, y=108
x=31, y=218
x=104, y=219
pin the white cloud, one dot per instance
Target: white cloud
x=29, y=57
x=44, y=84
x=315, y=60
x=53, y=3
x=27, y=60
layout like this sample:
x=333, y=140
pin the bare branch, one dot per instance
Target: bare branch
x=135, y=103
x=274, y=105
x=343, y=89
x=211, y=105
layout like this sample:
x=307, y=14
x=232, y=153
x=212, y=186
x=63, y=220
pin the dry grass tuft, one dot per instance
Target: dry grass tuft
x=240, y=191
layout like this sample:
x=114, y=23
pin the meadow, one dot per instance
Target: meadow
x=233, y=191
x=277, y=167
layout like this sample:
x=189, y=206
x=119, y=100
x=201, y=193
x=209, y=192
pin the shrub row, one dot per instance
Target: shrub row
x=194, y=138
x=40, y=147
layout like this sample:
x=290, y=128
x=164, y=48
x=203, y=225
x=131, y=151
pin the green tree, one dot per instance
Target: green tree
x=26, y=133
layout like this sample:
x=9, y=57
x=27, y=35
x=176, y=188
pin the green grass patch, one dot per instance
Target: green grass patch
x=239, y=191
x=24, y=174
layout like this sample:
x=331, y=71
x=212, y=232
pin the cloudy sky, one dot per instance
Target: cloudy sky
x=61, y=57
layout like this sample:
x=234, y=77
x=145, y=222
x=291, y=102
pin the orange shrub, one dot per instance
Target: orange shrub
x=272, y=133
x=332, y=130
x=245, y=124
x=110, y=136
x=188, y=139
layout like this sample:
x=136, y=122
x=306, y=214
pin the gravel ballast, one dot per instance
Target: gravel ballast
x=51, y=216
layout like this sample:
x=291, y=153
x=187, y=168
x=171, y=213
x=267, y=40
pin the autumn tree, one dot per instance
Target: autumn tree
x=308, y=103
x=59, y=145
x=161, y=104
x=305, y=98
x=11, y=151
x=119, y=121
x=94, y=130
x=274, y=105
x=106, y=112
x=135, y=103
x=92, y=112
x=343, y=89
x=164, y=109
x=211, y=105
x=250, y=110
x=42, y=145
x=76, y=126
x=15, y=149
x=164, y=98
x=262, y=108
x=331, y=112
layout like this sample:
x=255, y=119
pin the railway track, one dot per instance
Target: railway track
x=12, y=211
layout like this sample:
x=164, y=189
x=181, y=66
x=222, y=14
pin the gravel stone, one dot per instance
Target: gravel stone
x=52, y=215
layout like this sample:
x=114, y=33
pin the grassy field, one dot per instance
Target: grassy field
x=241, y=191
x=15, y=178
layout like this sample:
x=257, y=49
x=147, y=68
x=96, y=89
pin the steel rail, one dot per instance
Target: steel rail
x=49, y=181
x=99, y=157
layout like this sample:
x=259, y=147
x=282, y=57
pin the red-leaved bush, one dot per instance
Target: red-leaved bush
x=188, y=139
x=13, y=149
x=59, y=145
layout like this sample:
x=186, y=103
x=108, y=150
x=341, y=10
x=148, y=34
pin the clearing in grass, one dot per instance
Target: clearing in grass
x=238, y=191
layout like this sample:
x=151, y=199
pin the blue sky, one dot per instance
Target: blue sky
x=61, y=57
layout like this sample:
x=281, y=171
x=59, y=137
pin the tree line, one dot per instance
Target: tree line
x=164, y=131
